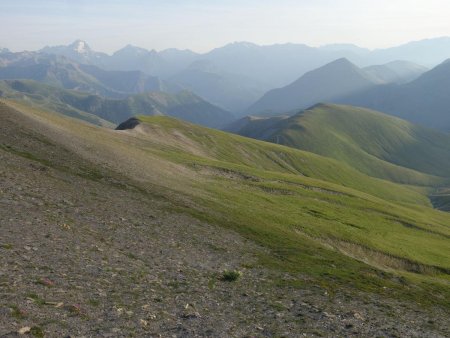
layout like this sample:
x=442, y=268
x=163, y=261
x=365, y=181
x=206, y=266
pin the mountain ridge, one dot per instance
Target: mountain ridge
x=377, y=144
x=184, y=104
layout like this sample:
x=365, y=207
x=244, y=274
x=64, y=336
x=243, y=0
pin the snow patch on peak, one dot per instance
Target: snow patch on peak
x=80, y=47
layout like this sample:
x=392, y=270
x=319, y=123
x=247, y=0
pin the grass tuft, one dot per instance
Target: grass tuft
x=230, y=275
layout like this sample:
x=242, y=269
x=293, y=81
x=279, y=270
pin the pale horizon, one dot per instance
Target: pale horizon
x=93, y=47
x=200, y=25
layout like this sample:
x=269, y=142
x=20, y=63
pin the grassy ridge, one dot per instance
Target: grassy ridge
x=267, y=179
x=374, y=143
x=224, y=149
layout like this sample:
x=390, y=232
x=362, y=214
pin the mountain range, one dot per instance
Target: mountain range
x=256, y=68
x=97, y=109
x=276, y=65
x=238, y=76
x=63, y=72
x=333, y=81
x=425, y=101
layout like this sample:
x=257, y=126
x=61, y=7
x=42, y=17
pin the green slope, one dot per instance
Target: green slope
x=319, y=220
x=39, y=95
x=184, y=105
x=374, y=143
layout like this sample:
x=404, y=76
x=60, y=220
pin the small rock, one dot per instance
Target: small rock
x=358, y=316
x=328, y=315
x=190, y=315
x=24, y=330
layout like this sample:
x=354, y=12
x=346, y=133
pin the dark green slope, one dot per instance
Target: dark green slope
x=184, y=105
x=375, y=143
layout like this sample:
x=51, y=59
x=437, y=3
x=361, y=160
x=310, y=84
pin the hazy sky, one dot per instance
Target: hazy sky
x=200, y=25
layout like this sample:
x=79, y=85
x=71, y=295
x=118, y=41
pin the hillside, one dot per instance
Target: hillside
x=184, y=105
x=424, y=101
x=326, y=83
x=372, y=142
x=164, y=208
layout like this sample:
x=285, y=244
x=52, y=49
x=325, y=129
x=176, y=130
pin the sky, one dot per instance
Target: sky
x=201, y=25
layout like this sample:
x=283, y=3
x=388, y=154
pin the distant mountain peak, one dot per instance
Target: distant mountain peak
x=80, y=46
x=131, y=49
x=344, y=47
x=240, y=44
x=340, y=61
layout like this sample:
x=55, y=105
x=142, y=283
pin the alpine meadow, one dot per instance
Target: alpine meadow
x=244, y=169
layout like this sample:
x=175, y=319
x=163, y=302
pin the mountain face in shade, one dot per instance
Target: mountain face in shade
x=183, y=105
x=234, y=92
x=331, y=81
x=425, y=101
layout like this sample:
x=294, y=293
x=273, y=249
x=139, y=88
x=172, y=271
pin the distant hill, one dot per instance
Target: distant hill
x=232, y=91
x=331, y=81
x=396, y=72
x=425, y=101
x=376, y=144
x=184, y=105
